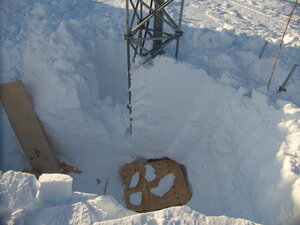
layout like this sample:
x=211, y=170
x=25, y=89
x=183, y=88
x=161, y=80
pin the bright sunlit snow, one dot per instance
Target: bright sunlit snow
x=54, y=187
x=210, y=110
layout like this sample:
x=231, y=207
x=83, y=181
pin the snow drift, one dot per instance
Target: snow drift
x=240, y=144
x=17, y=207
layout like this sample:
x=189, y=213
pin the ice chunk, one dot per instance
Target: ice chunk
x=136, y=198
x=150, y=173
x=164, y=185
x=54, y=187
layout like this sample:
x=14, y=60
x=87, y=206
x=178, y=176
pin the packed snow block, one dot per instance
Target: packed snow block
x=155, y=185
x=54, y=186
x=27, y=127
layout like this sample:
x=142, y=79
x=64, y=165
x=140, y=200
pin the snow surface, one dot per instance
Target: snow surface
x=19, y=205
x=150, y=174
x=210, y=111
x=164, y=185
x=135, y=198
x=175, y=215
x=134, y=180
x=83, y=208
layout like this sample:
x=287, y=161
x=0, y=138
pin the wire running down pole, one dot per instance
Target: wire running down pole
x=149, y=29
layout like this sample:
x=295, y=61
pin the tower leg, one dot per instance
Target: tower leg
x=158, y=27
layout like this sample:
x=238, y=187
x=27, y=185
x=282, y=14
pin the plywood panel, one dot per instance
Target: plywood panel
x=179, y=193
x=27, y=127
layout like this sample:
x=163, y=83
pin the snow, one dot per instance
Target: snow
x=135, y=198
x=164, y=186
x=17, y=190
x=83, y=208
x=210, y=110
x=135, y=180
x=296, y=199
x=19, y=205
x=54, y=187
x=150, y=173
x=175, y=215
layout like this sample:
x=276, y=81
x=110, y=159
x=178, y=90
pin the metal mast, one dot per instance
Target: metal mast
x=149, y=29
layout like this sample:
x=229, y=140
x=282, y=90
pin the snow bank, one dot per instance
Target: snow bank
x=82, y=208
x=289, y=155
x=215, y=118
x=175, y=215
x=17, y=190
x=19, y=205
x=227, y=139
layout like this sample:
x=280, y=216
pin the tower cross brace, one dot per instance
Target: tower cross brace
x=149, y=29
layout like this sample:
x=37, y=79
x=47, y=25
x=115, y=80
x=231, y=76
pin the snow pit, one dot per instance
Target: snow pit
x=224, y=129
x=54, y=187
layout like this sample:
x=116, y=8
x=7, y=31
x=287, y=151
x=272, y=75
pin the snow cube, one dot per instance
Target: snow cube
x=54, y=186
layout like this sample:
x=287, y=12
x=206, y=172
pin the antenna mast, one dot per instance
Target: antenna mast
x=149, y=29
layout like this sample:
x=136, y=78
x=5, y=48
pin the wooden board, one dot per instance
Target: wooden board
x=179, y=194
x=27, y=127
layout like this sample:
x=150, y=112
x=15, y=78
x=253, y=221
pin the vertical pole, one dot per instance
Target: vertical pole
x=141, y=30
x=128, y=66
x=179, y=28
x=283, y=86
x=158, y=27
x=281, y=42
x=263, y=50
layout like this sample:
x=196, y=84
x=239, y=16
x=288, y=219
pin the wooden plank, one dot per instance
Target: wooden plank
x=179, y=193
x=27, y=127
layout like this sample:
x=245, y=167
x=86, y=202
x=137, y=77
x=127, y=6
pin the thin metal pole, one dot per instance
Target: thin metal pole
x=135, y=14
x=141, y=31
x=283, y=86
x=127, y=17
x=278, y=51
x=128, y=67
x=179, y=28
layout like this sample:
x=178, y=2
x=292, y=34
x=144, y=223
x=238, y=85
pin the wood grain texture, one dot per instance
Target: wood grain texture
x=27, y=127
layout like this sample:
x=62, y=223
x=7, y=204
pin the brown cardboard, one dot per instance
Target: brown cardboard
x=179, y=194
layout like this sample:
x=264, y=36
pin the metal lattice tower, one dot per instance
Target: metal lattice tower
x=149, y=29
